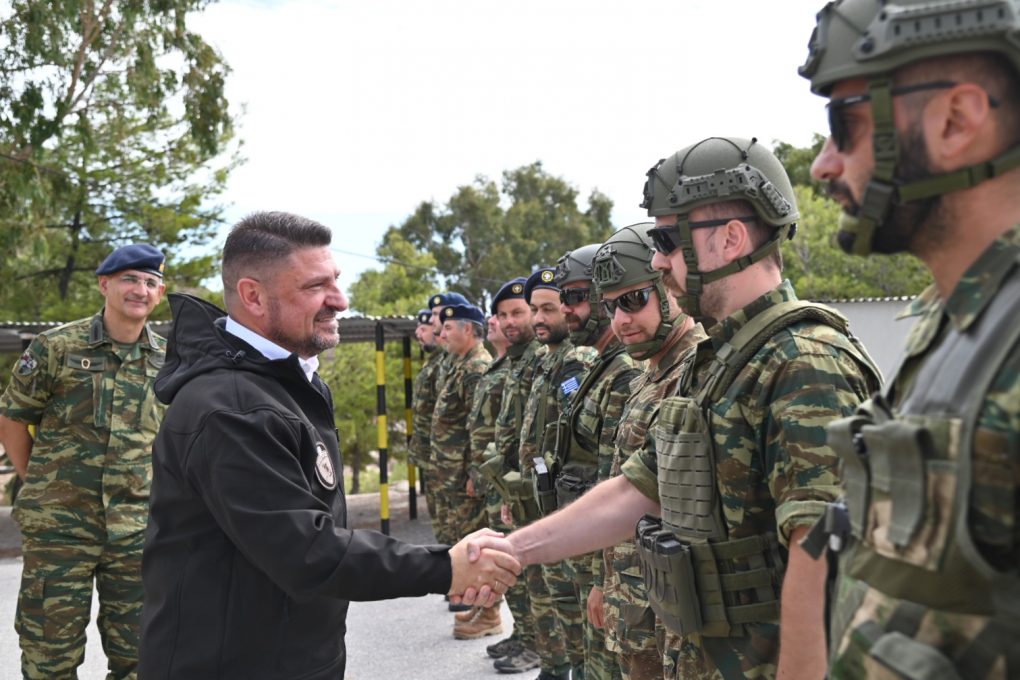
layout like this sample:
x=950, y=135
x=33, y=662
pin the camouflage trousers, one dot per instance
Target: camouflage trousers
x=563, y=592
x=631, y=628
x=517, y=597
x=55, y=603
x=549, y=643
x=599, y=662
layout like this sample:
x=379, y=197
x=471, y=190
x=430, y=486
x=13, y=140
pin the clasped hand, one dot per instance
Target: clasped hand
x=484, y=567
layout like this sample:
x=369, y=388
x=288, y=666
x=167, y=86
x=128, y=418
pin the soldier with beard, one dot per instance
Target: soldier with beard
x=582, y=452
x=923, y=154
x=554, y=604
x=517, y=652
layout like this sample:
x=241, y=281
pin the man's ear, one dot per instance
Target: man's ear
x=734, y=240
x=958, y=126
x=252, y=297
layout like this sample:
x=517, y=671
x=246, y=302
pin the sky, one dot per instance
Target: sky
x=353, y=112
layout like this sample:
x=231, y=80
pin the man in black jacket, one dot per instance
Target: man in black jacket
x=247, y=566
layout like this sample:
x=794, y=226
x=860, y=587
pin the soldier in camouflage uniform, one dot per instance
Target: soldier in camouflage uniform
x=423, y=402
x=502, y=455
x=554, y=604
x=583, y=450
x=482, y=621
x=462, y=332
x=87, y=387
x=928, y=575
x=743, y=474
x=656, y=330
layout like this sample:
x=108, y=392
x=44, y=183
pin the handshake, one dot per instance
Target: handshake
x=484, y=567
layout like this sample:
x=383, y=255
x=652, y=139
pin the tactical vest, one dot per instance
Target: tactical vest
x=573, y=467
x=699, y=580
x=907, y=478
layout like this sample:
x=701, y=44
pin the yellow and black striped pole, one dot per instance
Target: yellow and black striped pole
x=412, y=469
x=382, y=431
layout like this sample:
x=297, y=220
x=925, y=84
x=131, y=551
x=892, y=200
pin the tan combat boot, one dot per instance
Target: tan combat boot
x=464, y=617
x=487, y=621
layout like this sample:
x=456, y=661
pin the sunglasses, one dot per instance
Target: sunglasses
x=839, y=127
x=666, y=239
x=631, y=302
x=571, y=297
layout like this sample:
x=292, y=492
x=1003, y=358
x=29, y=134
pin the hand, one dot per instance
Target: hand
x=506, y=515
x=470, y=487
x=595, y=612
x=484, y=568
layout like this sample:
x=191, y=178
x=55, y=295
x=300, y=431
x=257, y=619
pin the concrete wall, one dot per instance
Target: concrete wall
x=874, y=322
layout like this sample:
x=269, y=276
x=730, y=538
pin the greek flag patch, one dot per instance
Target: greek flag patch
x=569, y=386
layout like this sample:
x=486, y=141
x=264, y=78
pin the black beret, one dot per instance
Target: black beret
x=140, y=256
x=463, y=313
x=424, y=316
x=541, y=278
x=514, y=288
x=445, y=299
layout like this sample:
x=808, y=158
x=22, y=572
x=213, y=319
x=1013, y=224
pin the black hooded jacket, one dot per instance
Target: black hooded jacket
x=247, y=565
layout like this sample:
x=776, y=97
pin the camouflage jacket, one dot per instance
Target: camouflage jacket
x=482, y=418
x=423, y=402
x=557, y=378
x=517, y=386
x=950, y=633
x=594, y=415
x=773, y=467
x=92, y=402
x=450, y=439
x=629, y=622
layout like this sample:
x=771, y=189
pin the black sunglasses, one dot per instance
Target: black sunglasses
x=666, y=239
x=571, y=297
x=839, y=128
x=630, y=302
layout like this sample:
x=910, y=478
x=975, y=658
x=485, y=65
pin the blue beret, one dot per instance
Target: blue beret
x=445, y=299
x=463, y=313
x=424, y=316
x=514, y=288
x=541, y=278
x=140, y=256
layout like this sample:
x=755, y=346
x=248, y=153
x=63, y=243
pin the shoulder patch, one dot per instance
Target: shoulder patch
x=324, y=467
x=27, y=364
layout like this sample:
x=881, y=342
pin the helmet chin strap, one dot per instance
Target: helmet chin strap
x=857, y=232
x=648, y=348
x=596, y=324
x=696, y=279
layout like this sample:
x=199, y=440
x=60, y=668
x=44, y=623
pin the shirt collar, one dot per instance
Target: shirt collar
x=982, y=280
x=268, y=348
x=723, y=331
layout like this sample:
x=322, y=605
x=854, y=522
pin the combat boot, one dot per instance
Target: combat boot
x=505, y=647
x=523, y=660
x=487, y=621
x=464, y=617
x=546, y=675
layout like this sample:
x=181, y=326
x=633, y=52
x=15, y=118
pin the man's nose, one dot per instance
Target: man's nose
x=828, y=164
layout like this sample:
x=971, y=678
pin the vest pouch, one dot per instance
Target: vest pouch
x=913, y=474
x=668, y=572
x=521, y=497
x=893, y=654
x=574, y=482
x=555, y=442
x=544, y=487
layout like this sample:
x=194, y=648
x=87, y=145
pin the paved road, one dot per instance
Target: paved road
x=409, y=638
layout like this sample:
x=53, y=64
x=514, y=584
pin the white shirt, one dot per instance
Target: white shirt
x=270, y=349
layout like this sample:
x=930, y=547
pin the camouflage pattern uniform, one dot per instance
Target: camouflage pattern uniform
x=630, y=627
x=877, y=576
x=554, y=604
x=801, y=379
x=84, y=506
x=423, y=402
x=507, y=441
x=599, y=406
x=482, y=430
x=451, y=445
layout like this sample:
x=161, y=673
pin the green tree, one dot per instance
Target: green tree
x=113, y=128
x=402, y=287
x=483, y=235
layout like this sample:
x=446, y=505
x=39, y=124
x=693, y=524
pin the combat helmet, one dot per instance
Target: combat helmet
x=716, y=170
x=870, y=39
x=574, y=266
x=624, y=260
